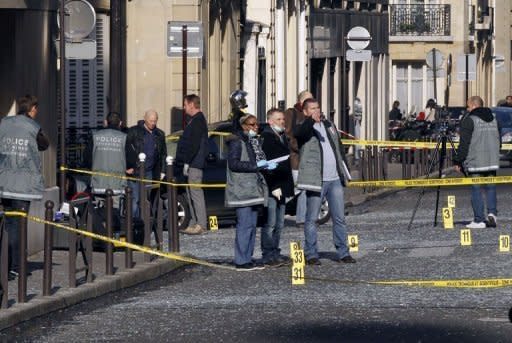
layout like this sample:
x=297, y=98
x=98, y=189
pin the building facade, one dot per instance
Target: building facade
x=472, y=33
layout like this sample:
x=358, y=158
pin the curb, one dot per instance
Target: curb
x=66, y=297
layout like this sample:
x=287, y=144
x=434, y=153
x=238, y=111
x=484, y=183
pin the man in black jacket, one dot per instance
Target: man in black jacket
x=145, y=138
x=191, y=152
x=280, y=186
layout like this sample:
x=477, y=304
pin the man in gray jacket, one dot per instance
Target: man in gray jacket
x=107, y=154
x=320, y=145
x=478, y=154
x=21, y=181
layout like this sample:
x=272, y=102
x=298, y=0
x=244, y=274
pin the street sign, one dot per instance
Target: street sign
x=80, y=19
x=359, y=55
x=194, y=36
x=79, y=23
x=358, y=38
x=435, y=59
x=499, y=62
x=466, y=67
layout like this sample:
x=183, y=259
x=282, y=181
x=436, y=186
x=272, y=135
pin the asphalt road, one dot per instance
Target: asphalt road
x=198, y=303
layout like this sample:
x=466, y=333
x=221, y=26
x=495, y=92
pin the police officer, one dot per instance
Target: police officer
x=238, y=108
x=21, y=181
x=107, y=154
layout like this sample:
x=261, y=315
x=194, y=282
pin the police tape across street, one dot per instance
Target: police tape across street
x=434, y=182
x=460, y=283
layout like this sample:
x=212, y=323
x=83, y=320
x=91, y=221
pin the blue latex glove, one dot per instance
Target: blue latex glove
x=262, y=163
x=271, y=166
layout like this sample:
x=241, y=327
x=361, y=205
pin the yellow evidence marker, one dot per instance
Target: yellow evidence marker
x=214, y=224
x=504, y=243
x=465, y=237
x=448, y=217
x=353, y=243
x=299, y=261
x=451, y=201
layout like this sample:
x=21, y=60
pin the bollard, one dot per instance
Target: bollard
x=22, y=278
x=48, y=249
x=143, y=210
x=4, y=270
x=172, y=223
x=109, y=260
x=385, y=164
x=88, y=241
x=128, y=257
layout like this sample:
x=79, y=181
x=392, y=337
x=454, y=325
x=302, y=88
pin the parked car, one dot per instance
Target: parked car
x=504, y=117
x=215, y=173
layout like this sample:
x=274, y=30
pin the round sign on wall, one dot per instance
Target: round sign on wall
x=79, y=20
x=358, y=38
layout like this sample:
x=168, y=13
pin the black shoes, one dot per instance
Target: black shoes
x=249, y=267
x=314, y=262
x=346, y=259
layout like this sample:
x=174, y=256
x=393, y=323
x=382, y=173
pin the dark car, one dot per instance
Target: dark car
x=504, y=118
x=215, y=173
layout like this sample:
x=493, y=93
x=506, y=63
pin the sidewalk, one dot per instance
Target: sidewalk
x=64, y=296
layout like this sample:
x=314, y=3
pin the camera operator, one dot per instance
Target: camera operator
x=478, y=154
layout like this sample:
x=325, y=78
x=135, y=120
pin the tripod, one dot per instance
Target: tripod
x=439, y=151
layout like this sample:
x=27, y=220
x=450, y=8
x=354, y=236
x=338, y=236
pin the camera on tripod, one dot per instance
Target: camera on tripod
x=443, y=124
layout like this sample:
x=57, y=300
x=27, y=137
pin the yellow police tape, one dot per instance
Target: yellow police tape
x=132, y=178
x=457, y=181
x=462, y=181
x=119, y=243
x=475, y=283
x=405, y=144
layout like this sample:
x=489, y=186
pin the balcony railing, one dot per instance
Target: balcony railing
x=420, y=20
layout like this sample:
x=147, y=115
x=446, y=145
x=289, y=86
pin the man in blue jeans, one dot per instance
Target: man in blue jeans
x=478, y=155
x=322, y=173
x=280, y=186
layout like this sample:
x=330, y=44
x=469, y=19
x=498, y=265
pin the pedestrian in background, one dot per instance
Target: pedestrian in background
x=280, y=185
x=21, y=181
x=322, y=173
x=145, y=138
x=191, y=153
x=395, y=113
x=294, y=116
x=246, y=188
x=478, y=155
x=106, y=153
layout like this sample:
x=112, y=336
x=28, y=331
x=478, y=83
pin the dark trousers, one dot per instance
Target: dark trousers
x=12, y=225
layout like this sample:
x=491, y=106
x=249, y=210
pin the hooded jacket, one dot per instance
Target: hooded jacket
x=245, y=186
x=479, y=142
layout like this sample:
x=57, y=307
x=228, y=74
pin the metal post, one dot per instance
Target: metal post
x=128, y=257
x=48, y=248
x=109, y=261
x=4, y=270
x=22, y=278
x=184, y=79
x=434, y=70
x=143, y=205
x=88, y=241
x=62, y=76
x=172, y=220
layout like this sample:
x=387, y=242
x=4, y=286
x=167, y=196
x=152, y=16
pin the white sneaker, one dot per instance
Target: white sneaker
x=491, y=220
x=475, y=225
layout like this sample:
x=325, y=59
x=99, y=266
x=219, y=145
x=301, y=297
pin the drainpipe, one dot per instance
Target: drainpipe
x=250, y=81
x=279, y=28
x=301, y=46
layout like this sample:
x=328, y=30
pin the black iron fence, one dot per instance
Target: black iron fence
x=420, y=20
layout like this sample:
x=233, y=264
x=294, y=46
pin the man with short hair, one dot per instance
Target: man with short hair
x=145, y=138
x=280, y=186
x=107, y=154
x=294, y=116
x=322, y=173
x=478, y=155
x=21, y=181
x=191, y=153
